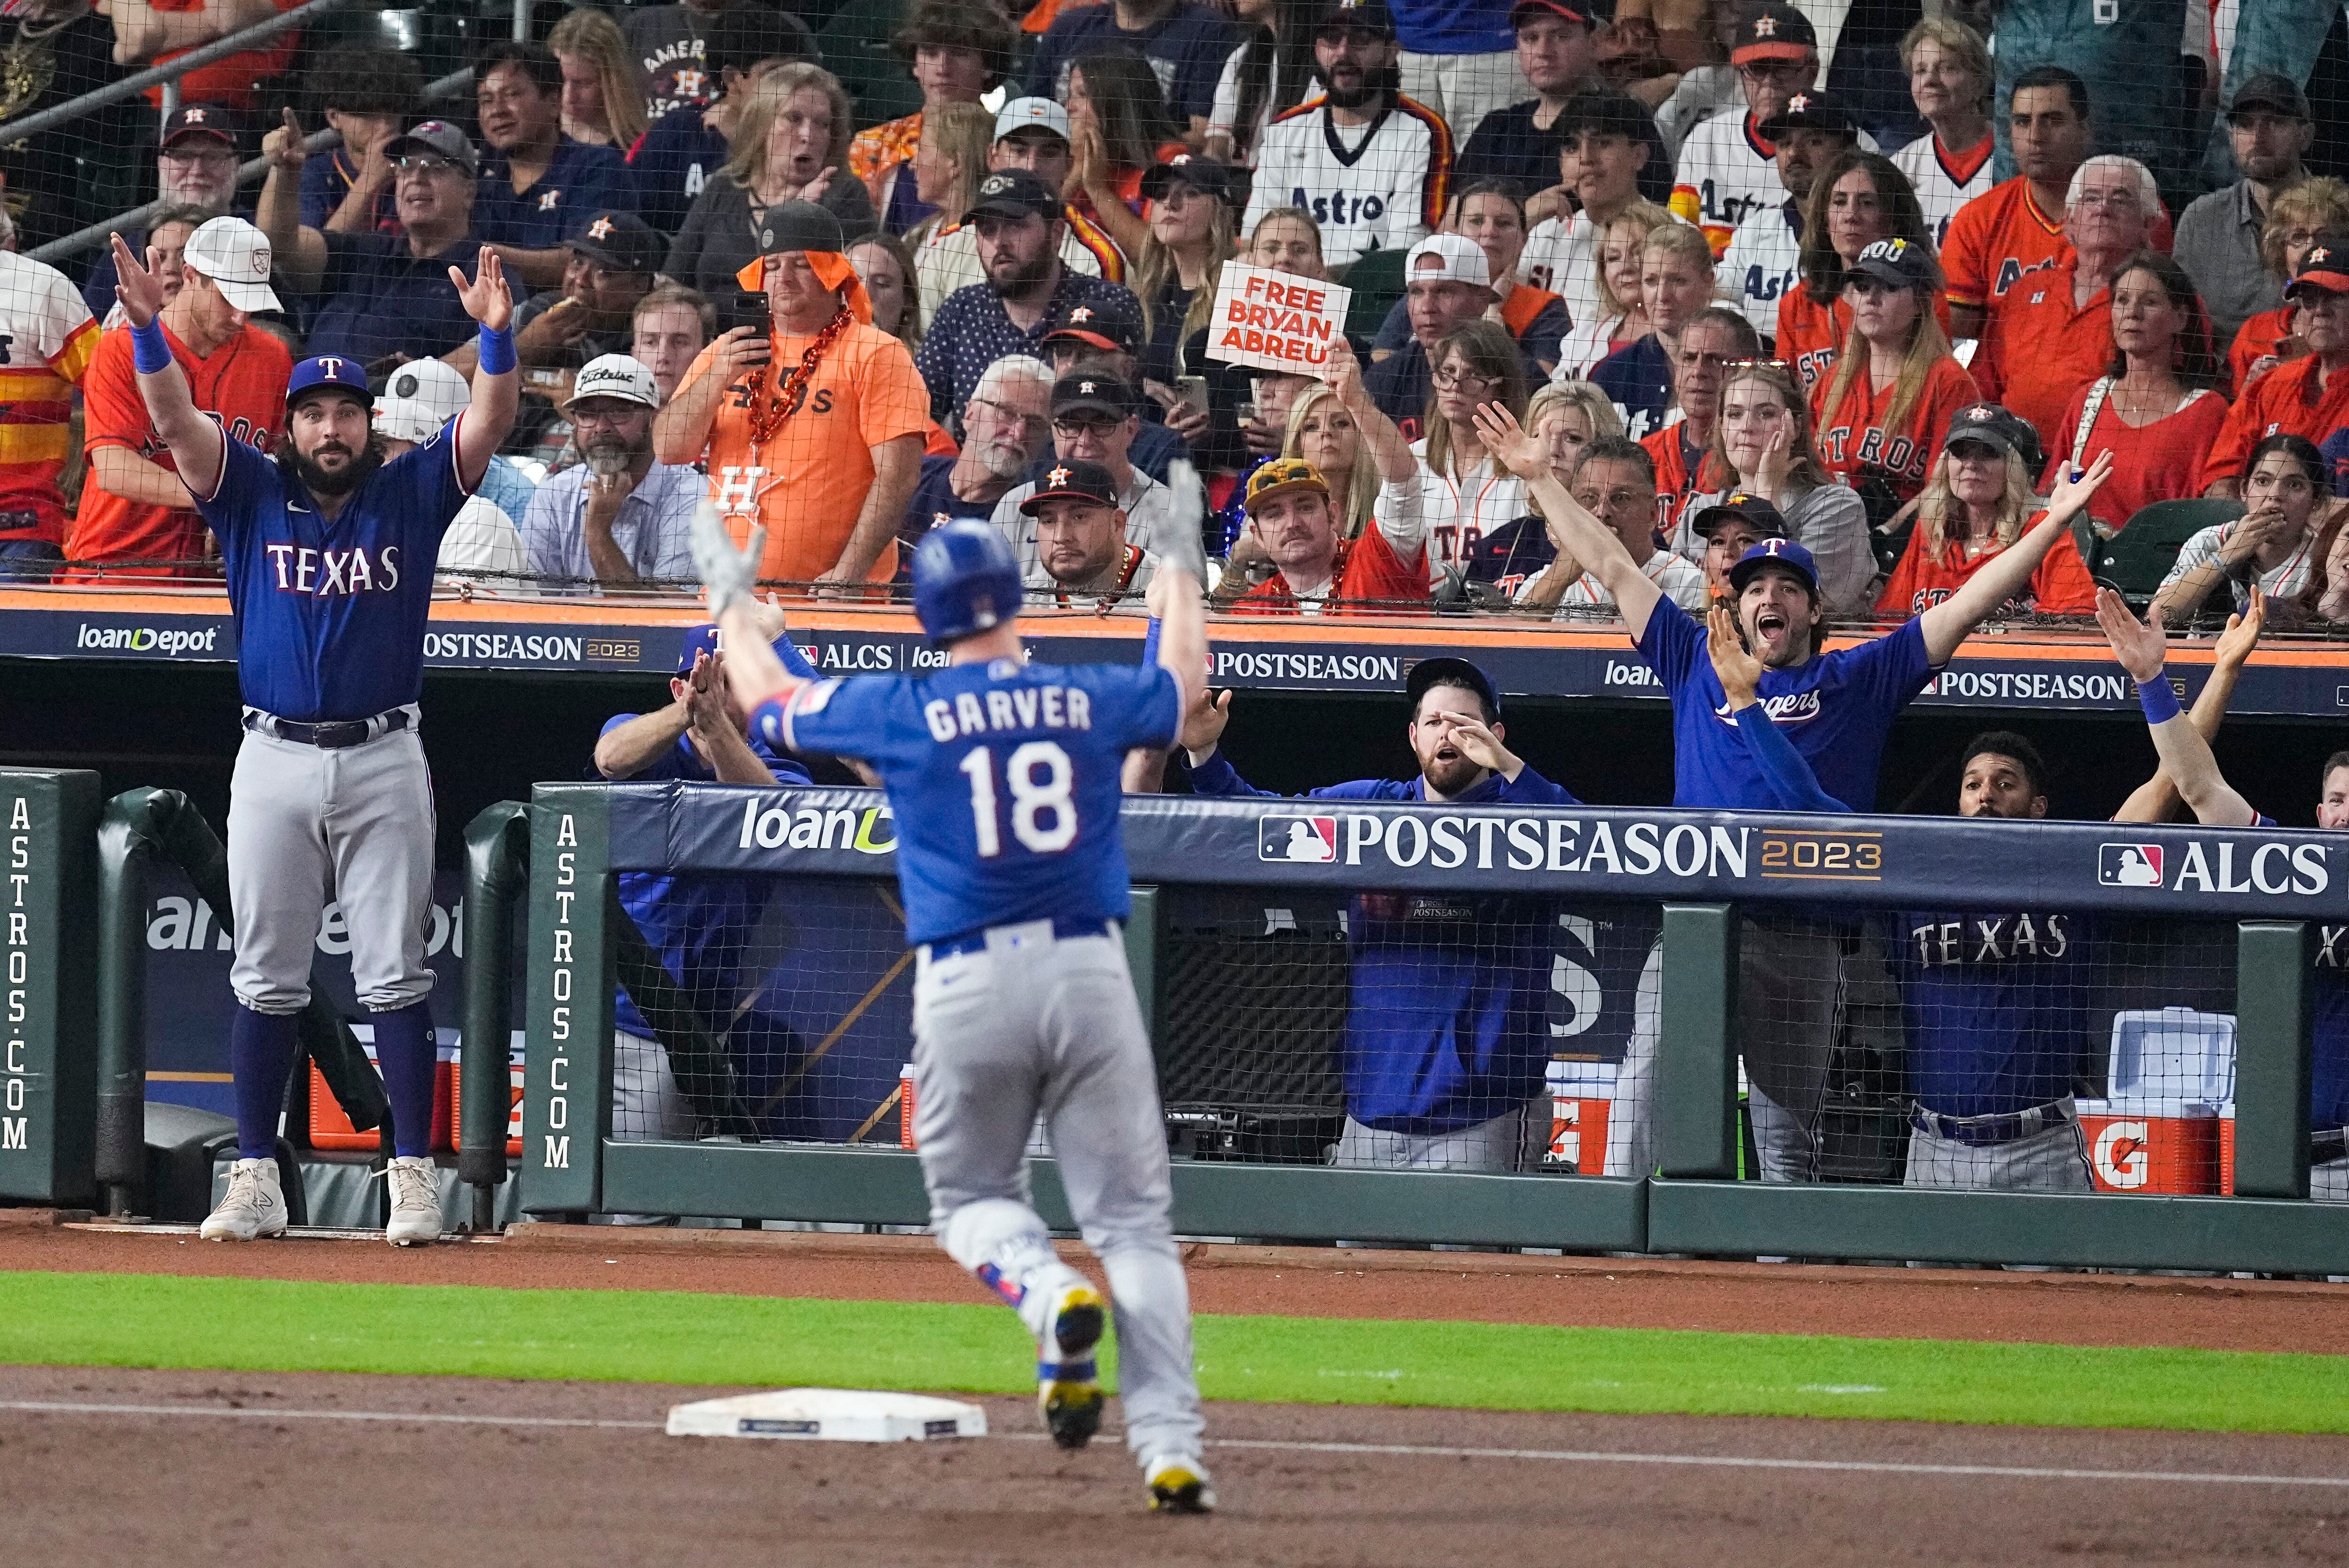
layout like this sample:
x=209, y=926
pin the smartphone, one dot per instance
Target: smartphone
x=751, y=309
x=1191, y=390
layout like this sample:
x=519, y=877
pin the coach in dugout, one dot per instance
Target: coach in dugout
x=1447, y=1036
x=1837, y=708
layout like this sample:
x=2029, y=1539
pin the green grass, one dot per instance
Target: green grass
x=141, y=1320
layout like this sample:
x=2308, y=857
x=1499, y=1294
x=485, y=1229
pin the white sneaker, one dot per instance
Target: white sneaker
x=1178, y=1484
x=254, y=1207
x=415, y=1201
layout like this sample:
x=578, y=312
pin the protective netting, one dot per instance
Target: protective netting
x=1979, y=1049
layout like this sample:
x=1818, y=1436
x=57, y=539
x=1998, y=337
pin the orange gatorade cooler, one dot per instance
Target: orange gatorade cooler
x=513, y=1099
x=330, y=1129
x=2149, y=1146
x=1581, y=1097
x=2171, y=1074
x=2227, y=1150
x=906, y=1106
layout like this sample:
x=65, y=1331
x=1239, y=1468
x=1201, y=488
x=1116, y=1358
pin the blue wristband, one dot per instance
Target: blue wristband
x=1150, y=644
x=2160, y=702
x=151, y=351
x=497, y=351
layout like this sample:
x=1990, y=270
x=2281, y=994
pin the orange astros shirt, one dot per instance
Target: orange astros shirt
x=1811, y=335
x=2061, y=585
x=45, y=350
x=2040, y=348
x=242, y=382
x=1995, y=239
x=1852, y=438
x=807, y=482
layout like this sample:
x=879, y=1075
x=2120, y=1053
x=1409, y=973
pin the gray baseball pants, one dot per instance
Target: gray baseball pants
x=1513, y=1141
x=1034, y=1023
x=307, y=824
x=2052, y=1159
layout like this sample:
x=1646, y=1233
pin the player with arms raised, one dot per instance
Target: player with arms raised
x=328, y=551
x=1003, y=777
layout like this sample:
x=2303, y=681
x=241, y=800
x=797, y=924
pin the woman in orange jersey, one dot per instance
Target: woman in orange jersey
x=1980, y=503
x=1859, y=199
x=2295, y=218
x=2153, y=408
x=1881, y=413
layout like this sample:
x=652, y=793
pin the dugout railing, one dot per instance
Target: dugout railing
x=1703, y=872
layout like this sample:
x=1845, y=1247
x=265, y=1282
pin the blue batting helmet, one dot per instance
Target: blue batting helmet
x=966, y=579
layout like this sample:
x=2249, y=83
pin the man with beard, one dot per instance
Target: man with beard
x=1837, y=708
x=1447, y=1035
x=1373, y=166
x=2269, y=131
x=1004, y=427
x=1765, y=257
x=616, y=518
x=1019, y=224
x=329, y=552
x=1095, y=418
x=195, y=171
x=134, y=507
x=1084, y=559
x=1030, y=133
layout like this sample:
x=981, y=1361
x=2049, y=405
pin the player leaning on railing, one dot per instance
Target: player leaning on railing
x=1003, y=777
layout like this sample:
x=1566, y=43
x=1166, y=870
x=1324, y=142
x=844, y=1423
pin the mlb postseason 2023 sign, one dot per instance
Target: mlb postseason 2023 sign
x=1275, y=321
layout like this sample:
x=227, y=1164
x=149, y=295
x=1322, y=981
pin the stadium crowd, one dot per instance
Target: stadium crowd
x=1752, y=248
x=1654, y=312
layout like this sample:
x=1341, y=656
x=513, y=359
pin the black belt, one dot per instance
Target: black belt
x=1983, y=1130
x=1063, y=929
x=331, y=736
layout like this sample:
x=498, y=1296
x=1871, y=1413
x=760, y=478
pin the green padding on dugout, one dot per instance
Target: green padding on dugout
x=144, y=1320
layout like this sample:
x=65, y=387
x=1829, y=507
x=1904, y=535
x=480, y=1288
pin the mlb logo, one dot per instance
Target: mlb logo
x=1312, y=841
x=2128, y=865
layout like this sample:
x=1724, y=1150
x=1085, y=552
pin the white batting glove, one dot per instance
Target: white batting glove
x=728, y=573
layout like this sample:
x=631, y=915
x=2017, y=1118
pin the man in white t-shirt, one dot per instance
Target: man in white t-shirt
x=1728, y=167
x=1371, y=165
x=1095, y=419
x=1615, y=481
x=1765, y=256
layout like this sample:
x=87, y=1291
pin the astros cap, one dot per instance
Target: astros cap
x=617, y=376
x=1448, y=671
x=1091, y=389
x=1031, y=114
x=195, y=120
x=1112, y=325
x=1811, y=111
x=438, y=136
x=1903, y=264
x=1372, y=16
x=328, y=373
x=1280, y=475
x=2009, y=434
x=234, y=255
x=1773, y=30
x=1202, y=174
x=1448, y=259
x=1073, y=480
x=2325, y=268
x=1749, y=508
x=1780, y=553
x=1524, y=11
x=621, y=241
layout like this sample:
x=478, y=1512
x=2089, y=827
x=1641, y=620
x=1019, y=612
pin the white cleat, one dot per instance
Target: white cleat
x=254, y=1207
x=1178, y=1484
x=415, y=1201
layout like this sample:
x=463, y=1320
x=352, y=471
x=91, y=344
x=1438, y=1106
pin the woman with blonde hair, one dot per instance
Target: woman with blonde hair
x=1565, y=416
x=886, y=266
x=1763, y=446
x=1193, y=224
x=1883, y=413
x=1676, y=285
x=603, y=90
x=1980, y=500
x=1463, y=492
x=789, y=143
x=1621, y=319
x=948, y=165
x=1324, y=433
x=2296, y=216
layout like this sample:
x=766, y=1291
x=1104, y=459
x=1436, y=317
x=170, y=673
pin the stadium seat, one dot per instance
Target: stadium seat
x=2140, y=555
x=185, y=1146
x=1377, y=281
x=855, y=46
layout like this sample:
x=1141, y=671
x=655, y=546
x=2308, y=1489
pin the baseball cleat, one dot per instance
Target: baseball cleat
x=1068, y=1386
x=1178, y=1484
x=254, y=1206
x=415, y=1201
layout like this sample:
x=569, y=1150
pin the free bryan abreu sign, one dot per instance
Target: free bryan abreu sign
x=1275, y=321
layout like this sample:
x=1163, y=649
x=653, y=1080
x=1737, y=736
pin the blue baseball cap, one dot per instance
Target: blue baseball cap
x=1783, y=552
x=332, y=371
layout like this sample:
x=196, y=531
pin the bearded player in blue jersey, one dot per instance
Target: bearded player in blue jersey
x=1837, y=708
x=2142, y=650
x=1447, y=1020
x=328, y=551
x=1003, y=778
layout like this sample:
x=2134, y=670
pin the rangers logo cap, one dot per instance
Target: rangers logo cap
x=1773, y=30
x=616, y=376
x=1031, y=114
x=438, y=136
x=1781, y=552
x=328, y=373
x=235, y=256
x=1073, y=480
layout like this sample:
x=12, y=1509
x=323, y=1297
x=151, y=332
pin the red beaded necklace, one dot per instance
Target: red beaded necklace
x=786, y=401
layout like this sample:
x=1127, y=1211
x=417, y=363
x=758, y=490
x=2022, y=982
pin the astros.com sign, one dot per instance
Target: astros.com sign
x=163, y=643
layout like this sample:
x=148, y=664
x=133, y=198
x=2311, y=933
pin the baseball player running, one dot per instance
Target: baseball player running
x=1003, y=777
x=328, y=551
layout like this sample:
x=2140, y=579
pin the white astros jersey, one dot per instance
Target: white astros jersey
x=1376, y=187
x=1944, y=182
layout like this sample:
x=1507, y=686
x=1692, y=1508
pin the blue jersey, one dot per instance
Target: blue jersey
x=1837, y=708
x=1447, y=1016
x=1999, y=1007
x=1003, y=778
x=330, y=614
x=700, y=923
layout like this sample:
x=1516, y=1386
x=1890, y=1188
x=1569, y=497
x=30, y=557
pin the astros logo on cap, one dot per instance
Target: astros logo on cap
x=1801, y=102
x=1980, y=411
x=1058, y=477
x=1084, y=388
x=601, y=229
x=1082, y=312
x=995, y=185
x=194, y=116
x=2316, y=258
x=1765, y=27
